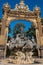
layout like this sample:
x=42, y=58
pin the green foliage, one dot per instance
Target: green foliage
x=18, y=28
x=31, y=32
x=8, y=38
x=9, y=29
x=0, y=19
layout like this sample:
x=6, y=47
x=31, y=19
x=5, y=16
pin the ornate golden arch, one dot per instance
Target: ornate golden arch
x=20, y=12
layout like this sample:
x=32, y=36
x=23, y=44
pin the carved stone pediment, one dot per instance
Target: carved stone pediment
x=25, y=14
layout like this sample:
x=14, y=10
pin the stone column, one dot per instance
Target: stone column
x=38, y=35
x=38, y=41
x=6, y=37
x=35, y=22
x=4, y=32
x=4, y=19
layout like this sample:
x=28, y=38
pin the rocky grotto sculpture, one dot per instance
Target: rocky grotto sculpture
x=22, y=47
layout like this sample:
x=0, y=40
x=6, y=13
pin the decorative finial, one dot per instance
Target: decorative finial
x=37, y=8
x=6, y=7
x=21, y=2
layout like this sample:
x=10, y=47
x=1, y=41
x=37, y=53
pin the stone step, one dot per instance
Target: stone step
x=2, y=48
x=1, y=54
x=39, y=60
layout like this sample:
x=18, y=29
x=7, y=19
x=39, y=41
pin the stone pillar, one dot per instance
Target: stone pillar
x=4, y=32
x=35, y=22
x=6, y=37
x=4, y=19
x=38, y=35
x=38, y=41
x=3, y=27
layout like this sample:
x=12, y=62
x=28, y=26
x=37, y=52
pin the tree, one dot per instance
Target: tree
x=18, y=28
x=0, y=19
x=31, y=32
x=9, y=31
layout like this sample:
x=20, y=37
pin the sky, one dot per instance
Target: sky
x=31, y=4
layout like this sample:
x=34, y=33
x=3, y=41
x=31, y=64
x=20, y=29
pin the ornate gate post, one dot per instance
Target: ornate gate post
x=38, y=41
x=41, y=37
x=38, y=34
x=4, y=30
x=6, y=37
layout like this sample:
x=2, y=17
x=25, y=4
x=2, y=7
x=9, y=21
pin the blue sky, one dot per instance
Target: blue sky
x=31, y=4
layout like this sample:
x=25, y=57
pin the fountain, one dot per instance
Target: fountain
x=22, y=49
